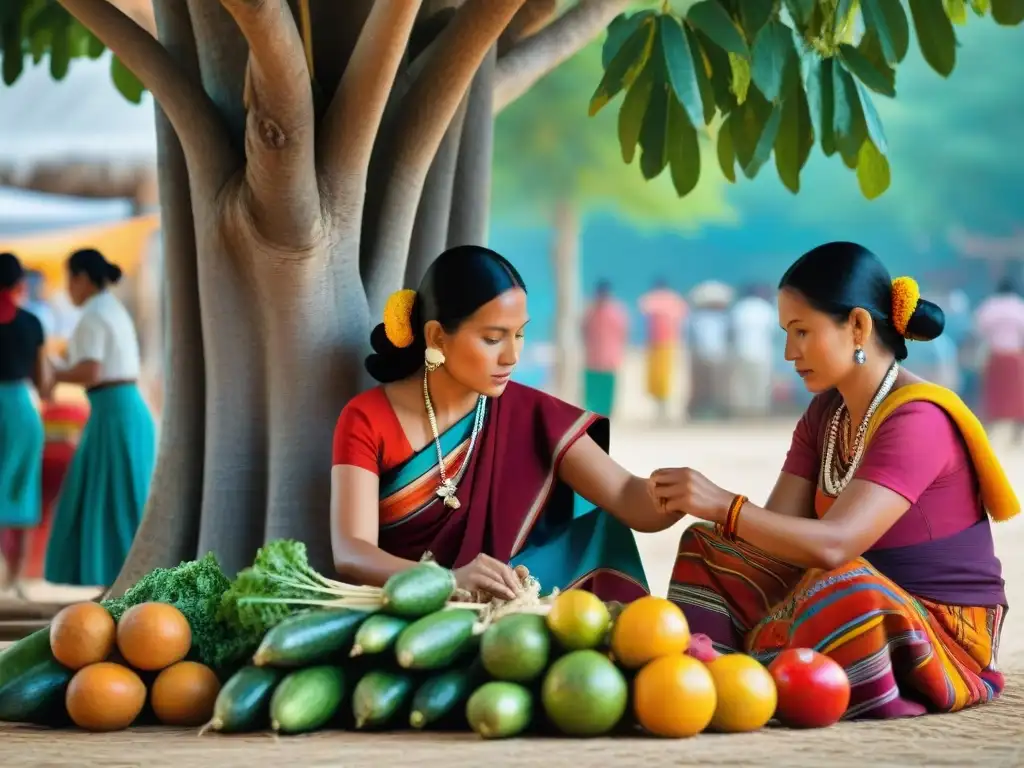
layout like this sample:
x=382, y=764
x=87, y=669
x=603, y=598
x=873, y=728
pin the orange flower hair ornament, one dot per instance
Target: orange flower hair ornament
x=905, y=296
x=398, y=318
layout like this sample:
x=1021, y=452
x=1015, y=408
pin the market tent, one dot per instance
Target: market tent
x=77, y=136
x=127, y=242
x=25, y=212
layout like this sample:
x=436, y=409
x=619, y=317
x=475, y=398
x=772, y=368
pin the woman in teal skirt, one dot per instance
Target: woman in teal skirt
x=104, y=493
x=22, y=363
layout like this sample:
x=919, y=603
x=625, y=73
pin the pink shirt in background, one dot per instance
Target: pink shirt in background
x=1000, y=322
x=665, y=311
x=918, y=453
x=605, y=334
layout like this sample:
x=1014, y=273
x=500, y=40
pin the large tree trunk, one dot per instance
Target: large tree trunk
x=301, y=182
x=565, y=260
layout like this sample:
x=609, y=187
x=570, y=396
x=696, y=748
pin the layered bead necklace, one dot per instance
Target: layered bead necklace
x=837, y=471
x=449, y=485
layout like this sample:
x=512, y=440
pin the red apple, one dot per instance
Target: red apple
x=814, y=690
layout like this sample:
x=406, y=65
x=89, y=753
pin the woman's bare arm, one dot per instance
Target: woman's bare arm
x=792, y=496
x=354, y=526
x=598, y=478
x=857, y=519
x=42, y=375
x=86, y=373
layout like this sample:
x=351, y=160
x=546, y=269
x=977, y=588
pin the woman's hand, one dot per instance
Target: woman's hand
x=686, y=491
x=492, y=577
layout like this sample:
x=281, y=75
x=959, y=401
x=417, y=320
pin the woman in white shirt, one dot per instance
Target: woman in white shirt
x=104, y=492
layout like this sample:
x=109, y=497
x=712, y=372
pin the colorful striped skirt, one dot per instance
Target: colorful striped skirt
x=21, y=457
x=904, y=655
x=104, y=493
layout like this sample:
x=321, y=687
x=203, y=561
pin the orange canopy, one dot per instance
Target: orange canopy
x=123, y=242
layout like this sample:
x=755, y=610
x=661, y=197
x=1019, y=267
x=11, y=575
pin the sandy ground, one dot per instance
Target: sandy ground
x=742, y=457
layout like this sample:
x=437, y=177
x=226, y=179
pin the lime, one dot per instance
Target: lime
x=579, y=620
x=584, y=694
x=516, y=647
x=497, y=710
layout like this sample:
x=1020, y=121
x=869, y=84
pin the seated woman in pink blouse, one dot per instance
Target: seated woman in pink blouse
x=875, y=546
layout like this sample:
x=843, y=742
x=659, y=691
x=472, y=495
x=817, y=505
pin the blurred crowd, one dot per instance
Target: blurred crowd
x=725, y=344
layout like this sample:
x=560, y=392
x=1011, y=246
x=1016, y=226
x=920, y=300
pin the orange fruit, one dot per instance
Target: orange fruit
x=647, y=629
x=184, y=694
x=105, y=697
x=82, y=634
x=153, y=636
x=746, y=693
x=674, y=696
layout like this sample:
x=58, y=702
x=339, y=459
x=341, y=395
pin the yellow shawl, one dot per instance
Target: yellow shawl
x=997, y=495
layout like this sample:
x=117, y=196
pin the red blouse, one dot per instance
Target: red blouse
x=369, y=435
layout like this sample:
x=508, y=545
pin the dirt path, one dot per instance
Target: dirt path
x=742, y=458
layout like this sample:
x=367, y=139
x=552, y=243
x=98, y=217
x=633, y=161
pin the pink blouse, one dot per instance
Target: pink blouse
x=917, y=452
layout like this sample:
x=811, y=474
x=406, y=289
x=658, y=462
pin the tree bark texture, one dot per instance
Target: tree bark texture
x=298, y=190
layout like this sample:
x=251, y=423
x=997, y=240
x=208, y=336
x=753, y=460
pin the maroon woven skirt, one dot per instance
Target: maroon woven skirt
x=1003, y=387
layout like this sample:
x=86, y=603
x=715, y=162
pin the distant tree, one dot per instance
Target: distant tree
x=554, y=165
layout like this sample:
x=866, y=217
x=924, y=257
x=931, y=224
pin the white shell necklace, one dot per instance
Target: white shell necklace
x=448, y=487
x=831, y=482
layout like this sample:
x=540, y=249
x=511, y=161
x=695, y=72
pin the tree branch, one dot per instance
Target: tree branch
x=354, y=116
x=223, y=55
x=284, y=200
x=204, y=139
x=430, y=232
x=532, y=17
x=471, y=196
x=428, y=110
x=535, y=56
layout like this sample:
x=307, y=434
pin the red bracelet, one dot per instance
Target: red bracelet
x=732, y=517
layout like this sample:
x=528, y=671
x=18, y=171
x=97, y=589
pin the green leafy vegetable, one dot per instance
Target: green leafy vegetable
x=195, y=588
x=281, y=582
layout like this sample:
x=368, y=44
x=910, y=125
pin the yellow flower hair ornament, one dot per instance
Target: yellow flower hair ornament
x=905, y=296
x=398, y=318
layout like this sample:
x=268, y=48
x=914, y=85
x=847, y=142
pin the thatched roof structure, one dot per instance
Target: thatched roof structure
x=78, y=136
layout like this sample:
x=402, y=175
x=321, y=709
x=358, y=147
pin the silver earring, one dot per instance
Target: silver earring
x=859, y=357
x=433, y=359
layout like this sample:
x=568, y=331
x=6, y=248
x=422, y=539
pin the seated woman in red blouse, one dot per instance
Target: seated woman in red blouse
x=875, y=546
x=450, y=457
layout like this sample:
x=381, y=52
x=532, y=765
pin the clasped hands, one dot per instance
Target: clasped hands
x=685, y=491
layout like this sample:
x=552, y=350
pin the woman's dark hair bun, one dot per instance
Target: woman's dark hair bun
x=927, y=323
x=389, y=363
x=838, y=277
x=456, y=285
x=94, y=264
x=11, y=271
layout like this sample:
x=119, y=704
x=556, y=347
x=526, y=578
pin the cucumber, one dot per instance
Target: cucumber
x=435, y=641
x=24, y=654
x=243, y=704
x=307, y=699
x=418, y=591
x=309, y=638
x=379, y=697
x=378, y=634
x=442, y=698
x=499, y=710
x=37, y=695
